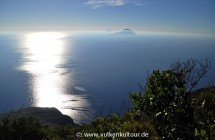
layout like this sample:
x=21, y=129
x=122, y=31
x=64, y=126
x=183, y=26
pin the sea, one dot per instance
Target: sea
x=86, y=74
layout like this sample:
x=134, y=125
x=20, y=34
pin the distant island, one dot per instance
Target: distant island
x=126, y=32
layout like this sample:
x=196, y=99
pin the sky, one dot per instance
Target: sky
x=189, y=16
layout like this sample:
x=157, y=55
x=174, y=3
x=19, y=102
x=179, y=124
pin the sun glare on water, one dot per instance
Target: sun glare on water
x=43, y=53
x=45, y=49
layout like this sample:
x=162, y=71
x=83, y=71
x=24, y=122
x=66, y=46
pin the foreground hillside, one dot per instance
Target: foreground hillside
x=46, y=116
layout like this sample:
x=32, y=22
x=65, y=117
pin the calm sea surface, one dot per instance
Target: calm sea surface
x=80, y=73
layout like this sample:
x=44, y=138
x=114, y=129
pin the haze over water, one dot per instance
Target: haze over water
x=79, y=72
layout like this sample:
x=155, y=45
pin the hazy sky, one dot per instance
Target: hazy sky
x=147, y=15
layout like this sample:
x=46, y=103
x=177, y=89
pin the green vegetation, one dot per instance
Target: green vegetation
x=171, y=105
x=31, y=129
x=168, y=107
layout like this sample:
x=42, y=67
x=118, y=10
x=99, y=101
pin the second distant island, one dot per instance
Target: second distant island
x=126, y=32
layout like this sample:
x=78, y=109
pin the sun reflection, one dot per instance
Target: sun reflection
x=43, y=53
x=45, y=49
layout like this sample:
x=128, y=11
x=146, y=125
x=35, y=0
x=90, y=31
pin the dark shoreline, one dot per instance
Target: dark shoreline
x=47, y=116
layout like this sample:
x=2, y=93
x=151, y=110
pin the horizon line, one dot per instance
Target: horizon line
x=109, y=30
